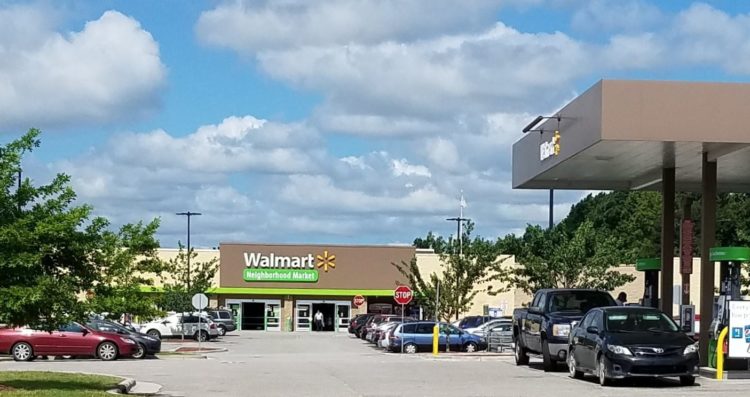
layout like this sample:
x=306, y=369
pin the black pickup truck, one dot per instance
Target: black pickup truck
x=544, y=327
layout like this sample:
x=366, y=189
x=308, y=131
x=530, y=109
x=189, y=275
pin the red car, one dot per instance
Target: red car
x=70, y=340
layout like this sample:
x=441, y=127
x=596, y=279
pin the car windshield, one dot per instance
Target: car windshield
x=578, y=301
x=107, y=326
x=639, y=321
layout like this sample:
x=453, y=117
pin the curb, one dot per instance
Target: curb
x=125, y=385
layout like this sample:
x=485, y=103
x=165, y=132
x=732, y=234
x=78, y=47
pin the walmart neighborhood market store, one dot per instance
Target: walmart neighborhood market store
x=277, y=287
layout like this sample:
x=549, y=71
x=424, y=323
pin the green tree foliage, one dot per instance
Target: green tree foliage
x=129, y=261
x=632, y=219
x=181, y=282
x=558, y=258
x=53, y=252
x=465, y=269
x=436, y=243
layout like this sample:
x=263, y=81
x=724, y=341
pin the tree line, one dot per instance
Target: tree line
x=59, y=262
x=600, y=233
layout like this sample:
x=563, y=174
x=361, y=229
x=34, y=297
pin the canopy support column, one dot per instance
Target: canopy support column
x=667, y=240
x=708, y=240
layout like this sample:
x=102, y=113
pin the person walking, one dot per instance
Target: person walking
x=622, y=299
x=319, y=321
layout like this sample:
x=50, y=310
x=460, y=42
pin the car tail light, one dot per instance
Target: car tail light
x=213, y=326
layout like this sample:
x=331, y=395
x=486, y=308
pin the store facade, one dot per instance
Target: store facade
x=279, y=287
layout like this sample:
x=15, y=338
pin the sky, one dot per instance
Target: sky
x=337, y=121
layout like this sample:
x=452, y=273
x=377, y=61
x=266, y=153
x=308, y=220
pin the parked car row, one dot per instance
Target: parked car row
x=391, y=333
x=108, y=340
x=72, y=339
x=592, y=335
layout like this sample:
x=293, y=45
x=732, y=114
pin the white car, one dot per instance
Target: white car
x=385, y=342
x=177, y=325
x=480, y=330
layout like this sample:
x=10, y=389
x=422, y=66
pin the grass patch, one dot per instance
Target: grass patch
x=48, y=384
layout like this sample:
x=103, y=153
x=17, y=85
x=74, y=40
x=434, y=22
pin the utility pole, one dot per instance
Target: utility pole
x=686, y=248
x=459, y=222
x=188, y=214
x=551, y=208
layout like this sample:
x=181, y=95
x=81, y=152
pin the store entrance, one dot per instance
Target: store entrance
x=253, y=316
x=329, y=316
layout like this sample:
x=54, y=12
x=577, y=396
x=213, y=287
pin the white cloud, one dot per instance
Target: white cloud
x=109, y=71
x=236, y=144
x=443, y=154
x=402, y=167
x=705, y=35
x=319, y=193
x=493, y=70
x=249, y=26
x=616, y=15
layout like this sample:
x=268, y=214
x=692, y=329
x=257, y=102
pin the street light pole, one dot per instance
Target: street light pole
x=188, y=214
x=459, y=222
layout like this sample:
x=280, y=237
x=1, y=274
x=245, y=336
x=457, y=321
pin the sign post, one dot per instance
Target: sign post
x=200, y=301
x=402, y=295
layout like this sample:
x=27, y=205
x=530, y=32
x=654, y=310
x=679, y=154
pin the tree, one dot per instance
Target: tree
x=129, y=260
x=557, y=258
x=461, y=278
x=176, y=276
x=51, y=251
x=436, y=243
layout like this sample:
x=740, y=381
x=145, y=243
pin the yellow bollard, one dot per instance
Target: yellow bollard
x=435, y=337
x=720, y=353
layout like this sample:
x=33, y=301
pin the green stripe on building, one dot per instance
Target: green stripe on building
x=288, y=291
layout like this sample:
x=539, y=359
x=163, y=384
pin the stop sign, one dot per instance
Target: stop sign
x=358, y=300
x=402, y=294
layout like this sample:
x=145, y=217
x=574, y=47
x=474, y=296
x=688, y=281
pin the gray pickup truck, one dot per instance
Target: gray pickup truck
x=544, y=327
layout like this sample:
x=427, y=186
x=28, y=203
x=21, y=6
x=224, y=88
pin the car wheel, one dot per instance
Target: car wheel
x=470, y=347
x=573, y=366
x=601, y=371
x=140, y=352
x=687, y=380
x=520, y=354
x=410, y=348
x=222, y=330
x=154, y=333
x=22, y=352
x=201, y=336
x=547, y=363
x=107, y=351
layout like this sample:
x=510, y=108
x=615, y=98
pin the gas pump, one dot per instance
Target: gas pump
x=730, y=289
x=651, y=268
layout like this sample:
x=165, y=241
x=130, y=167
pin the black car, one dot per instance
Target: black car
x=473, y=321
x=147, y=345
x=358, y=322
x=624, y=342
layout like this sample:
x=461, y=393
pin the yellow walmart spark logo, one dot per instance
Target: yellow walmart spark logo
x=326, y=260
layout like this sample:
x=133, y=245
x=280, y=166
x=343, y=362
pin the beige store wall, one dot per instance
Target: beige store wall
x=203, y=255
x=429, y=262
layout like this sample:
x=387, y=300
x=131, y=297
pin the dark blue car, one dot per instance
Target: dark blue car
x=417, y=336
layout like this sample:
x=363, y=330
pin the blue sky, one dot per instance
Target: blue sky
x=329, y=121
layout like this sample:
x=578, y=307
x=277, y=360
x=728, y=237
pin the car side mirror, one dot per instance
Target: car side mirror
x=573, y=324
x=165, y=322
x=592, y=330
x=535, y=310
x=85, y=332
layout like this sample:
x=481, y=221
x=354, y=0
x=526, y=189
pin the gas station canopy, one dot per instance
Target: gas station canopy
x=619, y=135
x=648, y=135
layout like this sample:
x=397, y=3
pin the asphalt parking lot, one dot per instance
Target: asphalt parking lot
x=284, y=364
